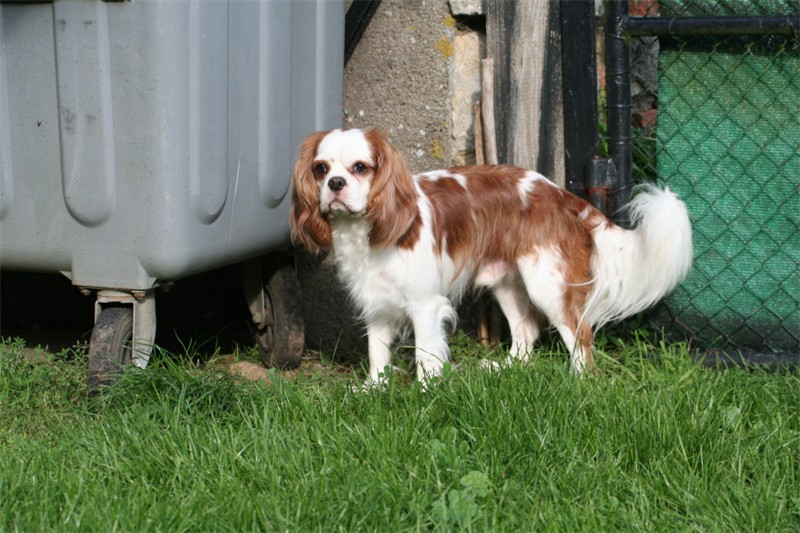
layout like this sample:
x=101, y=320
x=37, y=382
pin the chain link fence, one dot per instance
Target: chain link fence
x=717, y=118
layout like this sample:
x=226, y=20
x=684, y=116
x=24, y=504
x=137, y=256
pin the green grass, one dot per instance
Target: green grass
x=652, y=443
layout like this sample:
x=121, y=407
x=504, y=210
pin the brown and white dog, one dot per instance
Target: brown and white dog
x=408, y=247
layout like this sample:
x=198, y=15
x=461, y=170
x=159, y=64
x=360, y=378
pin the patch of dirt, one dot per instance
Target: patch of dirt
x=311, y=366
x=245, y=369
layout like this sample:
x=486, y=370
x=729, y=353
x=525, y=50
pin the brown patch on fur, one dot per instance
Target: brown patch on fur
x=585, y=338
x=308, y=227
x=499, y=213
x=452, y=216
x=409, y=240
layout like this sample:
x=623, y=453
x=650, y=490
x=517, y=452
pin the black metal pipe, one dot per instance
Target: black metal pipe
x=600, y=183
x=618, y=69
x=579, y=80
x=786, y=25
x=357, y=18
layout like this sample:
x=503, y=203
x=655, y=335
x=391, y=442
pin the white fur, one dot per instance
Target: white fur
x=634, y=269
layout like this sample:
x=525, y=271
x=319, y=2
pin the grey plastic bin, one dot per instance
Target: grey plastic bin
x=145, y=141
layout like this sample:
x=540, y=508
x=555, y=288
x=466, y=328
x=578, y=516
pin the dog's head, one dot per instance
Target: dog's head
x=351, y=174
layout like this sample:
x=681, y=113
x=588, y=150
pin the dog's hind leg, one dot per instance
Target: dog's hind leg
x=522, y=320
x=579, y=343
x=561, y=303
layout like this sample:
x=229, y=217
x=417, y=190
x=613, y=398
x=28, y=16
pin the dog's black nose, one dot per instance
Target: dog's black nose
x=336, y=183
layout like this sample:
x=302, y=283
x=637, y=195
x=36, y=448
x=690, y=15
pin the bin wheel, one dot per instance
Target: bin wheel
x=281, y=340
x=110, y=348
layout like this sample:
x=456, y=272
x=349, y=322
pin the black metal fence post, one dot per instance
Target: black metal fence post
x=579, y=83
x=618, y=69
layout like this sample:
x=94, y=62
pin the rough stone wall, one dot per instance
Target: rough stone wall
x=398, y=79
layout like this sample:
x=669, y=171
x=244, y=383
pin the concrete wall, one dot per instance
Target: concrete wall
x=397, y=79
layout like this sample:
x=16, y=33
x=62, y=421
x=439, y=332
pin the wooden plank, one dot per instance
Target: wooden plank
x=524, y=40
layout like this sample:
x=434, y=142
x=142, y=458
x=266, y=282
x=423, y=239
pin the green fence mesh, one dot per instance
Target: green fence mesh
x=724, y=132
x=712, y=8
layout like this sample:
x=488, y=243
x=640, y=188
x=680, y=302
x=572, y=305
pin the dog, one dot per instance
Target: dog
x=409, y=247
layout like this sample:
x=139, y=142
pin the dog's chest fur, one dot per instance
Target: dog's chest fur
x=369, y=274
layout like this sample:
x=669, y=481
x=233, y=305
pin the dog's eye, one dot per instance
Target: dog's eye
x=320, y=169
x=359, y=168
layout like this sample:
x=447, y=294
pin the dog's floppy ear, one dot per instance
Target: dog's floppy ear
x=308, y=226
x=392, y=204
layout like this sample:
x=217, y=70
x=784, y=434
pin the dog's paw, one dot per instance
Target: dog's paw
x=376, y=383
x=488, y=364
x=371, y=385
x=497, y=366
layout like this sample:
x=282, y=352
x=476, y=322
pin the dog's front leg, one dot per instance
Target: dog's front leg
x=380, y=337
x=430, y=337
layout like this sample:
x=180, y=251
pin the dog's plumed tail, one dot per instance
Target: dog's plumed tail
x=633, y=269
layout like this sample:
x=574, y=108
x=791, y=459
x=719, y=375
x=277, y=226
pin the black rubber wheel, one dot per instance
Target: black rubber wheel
x=110, y=348
x=281, y=340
